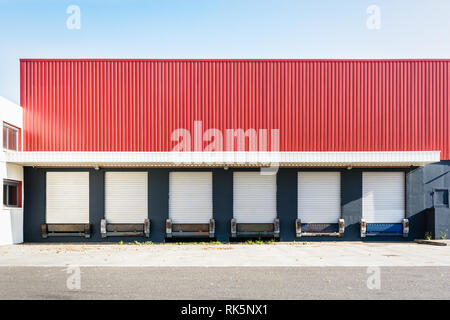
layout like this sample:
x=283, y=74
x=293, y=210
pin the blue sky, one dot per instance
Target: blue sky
x=218, y=29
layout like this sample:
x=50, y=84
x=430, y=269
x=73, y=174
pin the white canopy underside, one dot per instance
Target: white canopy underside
x=220, y=159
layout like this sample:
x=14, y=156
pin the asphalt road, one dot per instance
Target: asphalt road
x=225, y=283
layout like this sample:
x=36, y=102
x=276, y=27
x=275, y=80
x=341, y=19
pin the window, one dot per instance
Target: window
x=10, y=137
x=11, y=194
x=440, y=197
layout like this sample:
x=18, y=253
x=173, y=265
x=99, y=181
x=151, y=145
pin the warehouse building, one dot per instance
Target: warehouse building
x=156, y=150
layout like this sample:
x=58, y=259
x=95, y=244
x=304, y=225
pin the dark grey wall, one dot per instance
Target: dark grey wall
x=427, y=214
x=222, y=202
x=351, y=202
x=420, y=183
x=287, y=202
x=158, y=203
x=33, y=204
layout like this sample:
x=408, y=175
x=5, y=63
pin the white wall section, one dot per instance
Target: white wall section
x=11, y=218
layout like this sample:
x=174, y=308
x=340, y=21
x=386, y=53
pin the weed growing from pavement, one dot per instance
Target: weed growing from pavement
x=184, y=243
x=136, y=243
x=196, y=243
x=251, y=242
x=259, y=242
x=296, y=243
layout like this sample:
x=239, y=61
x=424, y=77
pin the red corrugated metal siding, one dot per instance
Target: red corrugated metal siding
x=318, y=105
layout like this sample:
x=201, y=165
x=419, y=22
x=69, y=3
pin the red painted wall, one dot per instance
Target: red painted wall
x=318, y=105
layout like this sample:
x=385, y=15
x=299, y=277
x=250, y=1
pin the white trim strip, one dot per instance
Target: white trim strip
x=218, y=159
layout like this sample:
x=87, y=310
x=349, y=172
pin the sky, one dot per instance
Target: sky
x=292, y=29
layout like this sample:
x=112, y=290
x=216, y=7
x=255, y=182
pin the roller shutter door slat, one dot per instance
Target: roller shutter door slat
x=67, y=197
x=126, y=197
x=383, y=197
x=190, y=197
x=319, y=197
x=254, y=197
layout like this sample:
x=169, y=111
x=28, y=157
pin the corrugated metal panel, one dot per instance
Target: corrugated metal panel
x=126, y=197
x=319, y=197
x=67, y=197
x=254, y=197
x=190, y=197
x=318, y=105
x=383, y=197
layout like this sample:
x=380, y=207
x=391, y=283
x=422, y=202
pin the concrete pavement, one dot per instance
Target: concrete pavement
x=294, y=254
x=297, y=270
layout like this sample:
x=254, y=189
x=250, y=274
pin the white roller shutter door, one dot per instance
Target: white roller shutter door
x=67, y=197
x=126, y=197
x=254, y=197
x=319, y=197
x=383, y=197
x=190, y=197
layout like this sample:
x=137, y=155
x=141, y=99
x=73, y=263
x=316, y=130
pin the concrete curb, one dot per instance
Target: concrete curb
x=431, y=242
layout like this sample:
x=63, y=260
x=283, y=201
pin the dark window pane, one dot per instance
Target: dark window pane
x=440, y=198
x=12, y=195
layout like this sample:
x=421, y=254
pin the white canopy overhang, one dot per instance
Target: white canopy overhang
x=221, y=159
